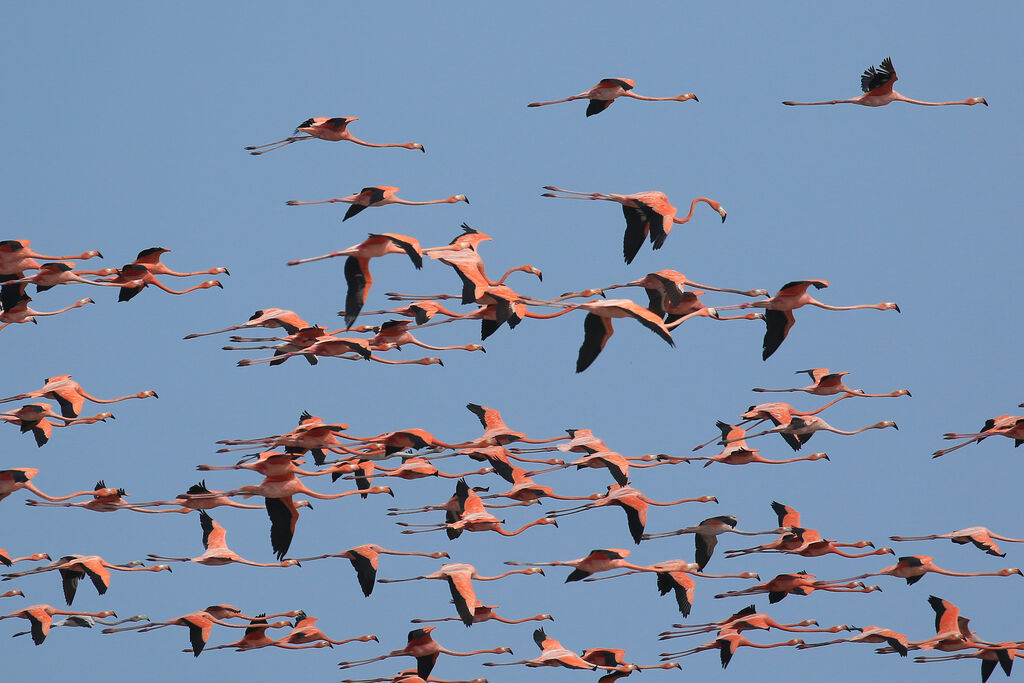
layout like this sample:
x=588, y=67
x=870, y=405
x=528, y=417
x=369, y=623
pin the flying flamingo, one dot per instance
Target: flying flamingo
x=633, y=502
x=422, y=646
x=798, y=583
x=216, y=551
x=675, y=576
x=41, y=618
x=952, y=631
x=667, y=286
x=607, y=89
x=364, y=559
x=150, y=258
x=11, y=594
x=15, y=256
x=597, y=326
x=409, y=676
x=870, y=634
x=803, y=428
x=736, y=452
x=476, y=520
x=496, y=432
x=877, y=83
x=72, y=568
x=396, y=333
x=777, y=413
x=648, y=214
x=779, y=316
x=809, y=543
x=305, y=631
x=525, y=489
x=418, y=468
x=51, y=274
x=830, y=383
x=482, y=613
x=379, y=195
x=990, y=655
x=21, y=313
x=7, y=560
x=1010, y=426
x=201, y=623
x=498, y=457
x=267, y=317
x=981, y=537
x=727, y=642
x=256, y=637
x=104, y=499
x=198, y=497
x=913, y=567
x=70, y=395
x=357, y=265
x=421, y=311
x=615, y=463
x=30, y=419
x=749, y=619
x=330, y=128
x=459, y=577
x=88, y=622
x=468, y=265
x=17, y=478
x=600, y=560
x=613, y=657
x=551, y=654
x=706, y=535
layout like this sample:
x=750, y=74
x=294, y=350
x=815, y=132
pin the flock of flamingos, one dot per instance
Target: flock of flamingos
x=500, y=450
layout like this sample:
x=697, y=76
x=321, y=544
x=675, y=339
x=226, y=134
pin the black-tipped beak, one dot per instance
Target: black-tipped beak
x=483, y=349
x=226, y=272
x=440, y=362
x=155, y=395
x=897, y=308
x=424, y=150
x=895, y=426
x=220, y=285
x=391, y=493
x=169, y=569
x=101, y=255
x=309, y=505
x=910, y=394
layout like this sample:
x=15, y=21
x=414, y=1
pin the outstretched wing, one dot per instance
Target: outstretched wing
x=875, y=78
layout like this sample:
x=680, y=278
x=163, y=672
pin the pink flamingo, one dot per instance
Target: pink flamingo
x=379, y=195
x=607, y=89
x=332, y=129
x=830, y=383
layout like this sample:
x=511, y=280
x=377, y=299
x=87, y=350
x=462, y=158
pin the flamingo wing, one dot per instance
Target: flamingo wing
x=40, y=627
x=704, y=547
x=638, y=226
x=69, y=401
x=69, y=581
x=596, y=332
x=777, y=326
x=598, y=106
x=359, y=280
x=282, y=524
x=366, y=572
x=624, y=83
x=879, y=80
x=409, y=245
x=673, y=581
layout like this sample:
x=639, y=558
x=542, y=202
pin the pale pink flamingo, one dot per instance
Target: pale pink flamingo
x=70, y=395
x=267, y=317
x=736, y=452
x=551, y=654
x=216, y=552
x=600, y=560
x=779, y=316
x=482, y=613
x=150, y=258
x=979, y=536
x=72, y=568
x=422, y=646
x=41, y=618
x=379, y=195
x=330, y=128
x=21, y=313
x=256, y=637
x=15, y=256
x=727, y=642
x=706, y=535
x=914, y=567
x=607, y=89
x=396, y=333
x=803, y=428
x=749, y=619
x=648, y=214
x=870, y=634
x=16, y=478
x=1010, y=426
x=365, y=558
x=830, y=383
x=134, y=277
x=799, y=583
x=778, y=413
x=7, y=560
x=305, y=631
x=877, y=83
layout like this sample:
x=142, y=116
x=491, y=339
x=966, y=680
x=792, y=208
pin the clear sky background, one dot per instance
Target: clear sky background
x=124, y=129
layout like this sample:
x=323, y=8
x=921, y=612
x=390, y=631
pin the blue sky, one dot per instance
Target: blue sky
x=125, y=130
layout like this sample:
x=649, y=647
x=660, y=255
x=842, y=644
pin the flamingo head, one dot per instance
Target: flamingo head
x=459, y=198
x=977, y=100
x=416, y=145
x=687, y=96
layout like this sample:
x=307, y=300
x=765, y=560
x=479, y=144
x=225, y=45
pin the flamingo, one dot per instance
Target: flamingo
x=600, y=560
x=667, y=286
x=70, y=395
x=482, y=613
x=7, y=560
x=256, y=637
x=216, y=552
x=952, y=631
x=799, y=583
x=597, y=326
x=104, y=499
x=21, y=313
x=1010, y=426
x=477, y=520
x=468, y=265
x=16, y=478
x=551, y=654
x=803, y=428
x=607, y=89
x=422, y=646
x=198, y=497
x=418, y=468
x=378, y=195
x=496, y=432
x=675, y=576
x=706, y=535
x=877, y=83
x=88, y=622
x=409, y=676
x=305, y=631
x=979, y=536
x=396, y=333
x=332, y=129
x=809, y=543
x=357, y=265
x=150, y=258
x=827, y=383
x=41, y=618
x=51, y=274
x=200, y=624
x=15, y=256
x=648, y=214
x=914, y=567
x=459, y=577
x=749, y=619
x=615, y=463
x=421, y=311
x=990, y=655
x=779, y=316
x=365, y=558
x=727, y=642
x=778, y=413
x=633, y=502
x=870, y=634
x=736, y=451
x=525, y=489
x=287, y=320
x=134, y=277
x=75, y=567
